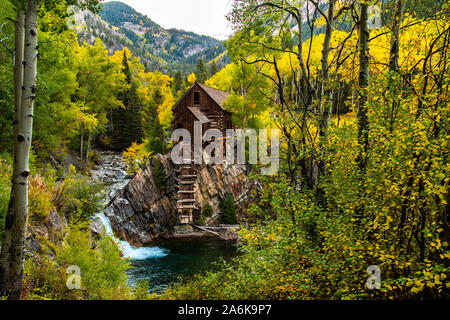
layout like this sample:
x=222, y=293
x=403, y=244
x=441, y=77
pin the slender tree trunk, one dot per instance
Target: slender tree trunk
x=395, y=38
x=302, y=72
x=87, y=147
x=81, y=144
x=326, y=105
x=393, y=59
x=24, y=139
x=363, y=121
x=18, y=83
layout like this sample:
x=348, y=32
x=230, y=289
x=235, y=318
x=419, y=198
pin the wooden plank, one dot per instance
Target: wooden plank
x=204, y=229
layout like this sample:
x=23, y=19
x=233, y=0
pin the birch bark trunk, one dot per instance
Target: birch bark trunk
x=81, y=145
x=395, y=38
x=24, y=138
x=326, y=108
x=393, y=59
x=88, y=147
x=363, y=121
x=18, y=83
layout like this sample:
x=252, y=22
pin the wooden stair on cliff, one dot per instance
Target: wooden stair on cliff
x=186, y=201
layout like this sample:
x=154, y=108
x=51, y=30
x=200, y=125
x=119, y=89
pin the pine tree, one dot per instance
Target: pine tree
x=213, y=69
x=157, y=97
x=159, y=175
x=127, y=123
x=149, y=113
x=178, y=83
x=156, y=143
x=229, y=210
x=133, y=126
x=201, y=71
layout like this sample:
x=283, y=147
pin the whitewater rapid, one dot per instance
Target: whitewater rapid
x=113, y=168
x=129, y=251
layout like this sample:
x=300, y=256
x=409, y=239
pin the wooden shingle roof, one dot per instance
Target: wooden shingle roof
x=217, y=95
x=198, y=114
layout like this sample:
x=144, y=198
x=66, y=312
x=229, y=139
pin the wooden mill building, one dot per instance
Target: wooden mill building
x=204, y=104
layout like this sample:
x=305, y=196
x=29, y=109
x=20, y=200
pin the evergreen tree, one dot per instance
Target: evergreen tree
x=213, y=69
x=201, y=72
x=149, y=113
x=229, y=210
x=133, y=126
x=159, y=174
x=156, y=143
x=157, y=97
x=178, y=83
x=127, y=123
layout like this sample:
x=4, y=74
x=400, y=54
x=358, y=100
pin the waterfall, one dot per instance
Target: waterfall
x=113, y=171
x=130, y=251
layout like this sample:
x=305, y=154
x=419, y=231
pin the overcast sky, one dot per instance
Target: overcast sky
x=205, y=17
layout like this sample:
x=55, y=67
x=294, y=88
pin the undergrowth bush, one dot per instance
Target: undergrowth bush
x=102, y=269
x=40, y=199
x=5, y=189
x=136, y=157
x=78, y=196
x=207, y=210
x=159, y=174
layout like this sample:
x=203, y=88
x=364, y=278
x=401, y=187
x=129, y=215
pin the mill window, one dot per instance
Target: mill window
x=196, y=98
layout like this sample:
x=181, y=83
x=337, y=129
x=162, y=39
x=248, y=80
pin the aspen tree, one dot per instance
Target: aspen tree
x=18, y=83
x=363, y=122
x=22, y=157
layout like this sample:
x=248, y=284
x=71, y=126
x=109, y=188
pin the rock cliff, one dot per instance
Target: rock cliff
x=144, y=211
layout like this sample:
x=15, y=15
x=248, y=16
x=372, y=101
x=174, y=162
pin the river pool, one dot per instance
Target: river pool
x=181, y=258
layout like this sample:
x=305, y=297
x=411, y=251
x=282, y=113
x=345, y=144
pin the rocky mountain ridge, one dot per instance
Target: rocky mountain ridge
x=166, y=50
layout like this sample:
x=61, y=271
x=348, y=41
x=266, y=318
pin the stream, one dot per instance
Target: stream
x=167, y=261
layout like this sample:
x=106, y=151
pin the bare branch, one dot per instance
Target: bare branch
x=316, y=4
x=5, y=38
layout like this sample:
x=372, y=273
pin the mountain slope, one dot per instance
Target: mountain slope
x=119, y=25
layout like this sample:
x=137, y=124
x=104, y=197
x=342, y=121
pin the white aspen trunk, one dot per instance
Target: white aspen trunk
x=363, y=121
x=302, y=72
x=81, y=145
x=326, y=106
x=353, y=98
x=395, y=37
x=18, y=83
x=394, y=57
x=87, y=147
x=24, y=139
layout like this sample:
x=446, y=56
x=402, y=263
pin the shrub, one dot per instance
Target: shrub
x=136, y=157
x=5, y=189
x=44, y=279
x=159, y=174
x=78, y=196
x=207, y=210
x=40, y=199
x=95, y=157
x=102, y=267
x=200, y=221
x=141, y=291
